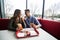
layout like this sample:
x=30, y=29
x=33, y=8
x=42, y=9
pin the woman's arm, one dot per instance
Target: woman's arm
x=10, y=27
x=23, y=22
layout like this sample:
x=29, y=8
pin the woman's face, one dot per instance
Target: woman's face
x=19, y=15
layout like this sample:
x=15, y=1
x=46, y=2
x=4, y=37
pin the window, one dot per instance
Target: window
x=35, y=7
x=52, y=10
x=11, y=5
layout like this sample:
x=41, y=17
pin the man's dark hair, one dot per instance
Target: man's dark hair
x=27, y=10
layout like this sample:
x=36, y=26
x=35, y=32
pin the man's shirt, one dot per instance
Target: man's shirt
x=31, y=19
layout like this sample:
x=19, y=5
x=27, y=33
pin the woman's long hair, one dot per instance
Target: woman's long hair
x=17, y=12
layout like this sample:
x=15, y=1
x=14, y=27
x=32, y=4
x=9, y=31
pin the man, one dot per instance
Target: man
x=30, y=20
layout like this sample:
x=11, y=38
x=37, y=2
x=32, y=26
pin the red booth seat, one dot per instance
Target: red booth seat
x=51, y=27
x=4, y=24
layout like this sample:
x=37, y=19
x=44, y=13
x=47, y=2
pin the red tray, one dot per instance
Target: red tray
x=37, y=33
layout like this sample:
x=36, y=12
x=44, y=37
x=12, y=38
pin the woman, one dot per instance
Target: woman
x=16, y=22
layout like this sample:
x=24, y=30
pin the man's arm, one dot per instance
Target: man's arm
x=36, y=22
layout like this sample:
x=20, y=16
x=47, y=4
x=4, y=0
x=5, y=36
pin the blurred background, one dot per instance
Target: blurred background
x=46, y=9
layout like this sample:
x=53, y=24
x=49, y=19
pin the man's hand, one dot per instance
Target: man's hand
x=33, y=25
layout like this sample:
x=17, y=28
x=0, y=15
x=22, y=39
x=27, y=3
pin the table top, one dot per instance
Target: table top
x=10, y=35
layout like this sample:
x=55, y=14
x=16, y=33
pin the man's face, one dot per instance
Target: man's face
x=27, y=13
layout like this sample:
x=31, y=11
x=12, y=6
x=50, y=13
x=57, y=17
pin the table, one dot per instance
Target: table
x=10, y=35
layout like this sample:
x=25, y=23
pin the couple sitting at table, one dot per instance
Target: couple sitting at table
x=18, y=23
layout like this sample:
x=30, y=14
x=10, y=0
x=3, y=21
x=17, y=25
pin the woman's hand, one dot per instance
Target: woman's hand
x=23, y=19
x=19, y=27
